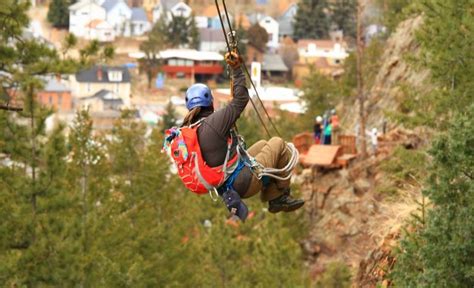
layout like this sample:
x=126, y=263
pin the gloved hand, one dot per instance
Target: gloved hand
x=235, y=205
x=233, y=59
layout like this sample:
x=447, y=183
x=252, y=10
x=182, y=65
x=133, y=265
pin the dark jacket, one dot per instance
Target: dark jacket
x=215, y=130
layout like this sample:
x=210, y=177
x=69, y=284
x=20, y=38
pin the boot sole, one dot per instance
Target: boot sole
x=287, y=208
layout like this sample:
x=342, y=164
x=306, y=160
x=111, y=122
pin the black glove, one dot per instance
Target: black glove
x=235, y=205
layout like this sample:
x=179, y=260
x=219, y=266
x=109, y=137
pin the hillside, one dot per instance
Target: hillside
x=356, y=213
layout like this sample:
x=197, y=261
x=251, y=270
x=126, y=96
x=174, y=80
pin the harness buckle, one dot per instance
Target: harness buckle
x=214, y=194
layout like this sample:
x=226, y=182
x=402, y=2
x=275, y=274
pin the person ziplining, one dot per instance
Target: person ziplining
x=211, y=157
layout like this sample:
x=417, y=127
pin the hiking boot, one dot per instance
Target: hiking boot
x=284, y=203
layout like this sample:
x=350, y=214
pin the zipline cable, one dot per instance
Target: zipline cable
x=244, y=67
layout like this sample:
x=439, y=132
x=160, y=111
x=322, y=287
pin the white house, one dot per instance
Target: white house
x=81, y=14
x=139, y=22
x=272, y=28
x=171, y=8
x=99, y=30
x=287, y=20
x=310, y=50
x=118, y=15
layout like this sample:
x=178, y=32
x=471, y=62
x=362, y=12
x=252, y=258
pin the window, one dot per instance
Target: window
x=337, y=61
x=115, y=76
x=181, y=62
x=189, y=63
x=180, y=75
x=172, y=62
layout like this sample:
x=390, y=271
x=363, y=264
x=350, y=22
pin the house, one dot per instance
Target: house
x=189, y=63
x=90, y=81
x=311, y=50
x=273, y=67
x=171, y=8
x=83, y=13
x=326, y=56
x=139, y=22
x=118, y=14
x=286, y=21
x=272, y=27
x=213, y=21
x=212, y=40
x=99, y=30
x=56, y=94
x=104, y=100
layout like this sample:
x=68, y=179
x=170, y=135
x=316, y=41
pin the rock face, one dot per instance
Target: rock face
x=395, y=72
x=350, y=217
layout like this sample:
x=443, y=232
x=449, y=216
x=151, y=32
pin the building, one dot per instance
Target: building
x=274, y=68
x=118, y=14
x=286, y=20
x=189, y=63
x=212, y=40
x=272, y=27
x=170, y=9
x=56, y=94
x=82, y=14
x=99, y=30
x=139, y=22
x=91, y=81
x=104, y=100
x=311, y=50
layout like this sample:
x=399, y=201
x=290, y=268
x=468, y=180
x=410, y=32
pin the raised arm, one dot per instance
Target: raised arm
x=222, y=120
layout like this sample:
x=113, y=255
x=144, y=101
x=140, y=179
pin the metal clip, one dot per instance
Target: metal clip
x=214, y=194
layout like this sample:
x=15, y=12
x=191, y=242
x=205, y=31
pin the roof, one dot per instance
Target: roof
x=211, y=35
x=273, y=62
x=110, y=4
x=80, y=4
x=90, y=75
x=189, y=54
x=94, y=23
x=323, y=44
x=104, y=95
x=53, y=85
x=139, y=14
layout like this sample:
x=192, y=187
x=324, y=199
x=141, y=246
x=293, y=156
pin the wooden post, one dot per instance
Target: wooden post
x=360, y=81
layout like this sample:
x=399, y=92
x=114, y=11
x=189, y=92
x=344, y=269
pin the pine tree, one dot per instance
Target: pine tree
x=58, y=13
x=169, y=118
x=343, y=15
x=157, y=41
x=440, y=252
x=312, y=20
x=258, y=37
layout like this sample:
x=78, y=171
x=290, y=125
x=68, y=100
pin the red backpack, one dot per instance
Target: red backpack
x=182, y=146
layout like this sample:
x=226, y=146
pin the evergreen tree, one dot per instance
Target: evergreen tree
x=182, y=31
x=451, y=69
x=169, y=118
x=440, y=252
x=312, y=20
x=157, y=41
x=58, y=13
x=343, y=15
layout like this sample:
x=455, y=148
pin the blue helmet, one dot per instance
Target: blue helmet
x=198, y=95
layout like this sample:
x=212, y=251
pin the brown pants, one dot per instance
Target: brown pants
x=271, y=154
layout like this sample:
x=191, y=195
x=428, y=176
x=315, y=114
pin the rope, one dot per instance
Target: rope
x=244, y=68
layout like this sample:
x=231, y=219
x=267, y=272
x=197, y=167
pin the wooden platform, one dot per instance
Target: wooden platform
x=321, y=155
